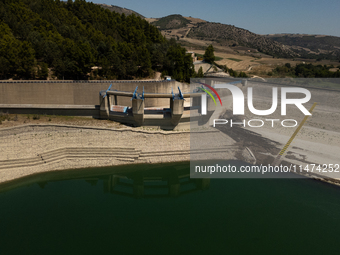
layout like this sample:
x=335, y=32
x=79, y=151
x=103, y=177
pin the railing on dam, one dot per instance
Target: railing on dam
x=151, y=95
x=82, y=81
x=77, y=92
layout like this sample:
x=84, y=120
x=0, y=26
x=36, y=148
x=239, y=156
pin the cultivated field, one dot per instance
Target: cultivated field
x=253, y=65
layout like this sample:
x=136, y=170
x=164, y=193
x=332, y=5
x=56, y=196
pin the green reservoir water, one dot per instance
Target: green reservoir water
x=158, y=209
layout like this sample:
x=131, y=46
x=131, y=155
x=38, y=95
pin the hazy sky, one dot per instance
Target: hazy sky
x=258, y=16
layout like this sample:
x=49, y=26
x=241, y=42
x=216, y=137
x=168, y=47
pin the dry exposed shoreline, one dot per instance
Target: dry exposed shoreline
x=36, y=148
x=44, y=146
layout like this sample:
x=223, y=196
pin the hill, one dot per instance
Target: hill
x=225, y=35
x=254, y=54
x=82, y=40
x=171, y=22
x=233, y=36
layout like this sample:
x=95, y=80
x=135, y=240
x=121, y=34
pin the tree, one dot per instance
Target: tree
x=200, y=73
x=42, y=71
x=242, y=75
x=4, y=67
x=209, y=54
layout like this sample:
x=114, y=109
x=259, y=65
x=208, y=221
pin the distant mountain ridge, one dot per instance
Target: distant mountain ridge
x=226, y=35
x=277, y=45
x=234, y=36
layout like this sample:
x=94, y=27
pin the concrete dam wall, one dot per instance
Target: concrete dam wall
x=80, y=92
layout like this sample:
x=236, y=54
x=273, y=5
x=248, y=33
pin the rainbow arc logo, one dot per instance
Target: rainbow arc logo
x=209, y=93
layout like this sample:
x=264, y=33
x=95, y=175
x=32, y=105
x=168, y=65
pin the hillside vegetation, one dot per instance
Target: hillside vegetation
x=234, y=36
x=228, y=38
x=71, y=37
x=305, y=71
x=224, y=35
x=171, y=22
x=311, y=46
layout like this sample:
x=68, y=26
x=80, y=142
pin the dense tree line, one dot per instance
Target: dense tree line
x=71, y=37
x=305, y=71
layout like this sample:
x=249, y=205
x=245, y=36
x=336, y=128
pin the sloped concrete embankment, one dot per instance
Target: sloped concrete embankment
x=122, y=154
x=32, y=149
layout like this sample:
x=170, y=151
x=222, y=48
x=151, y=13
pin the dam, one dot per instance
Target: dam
x=80, y=98
x=164, y=104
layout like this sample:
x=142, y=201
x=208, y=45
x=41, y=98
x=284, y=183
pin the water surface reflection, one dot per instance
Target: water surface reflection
x=140, y=181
